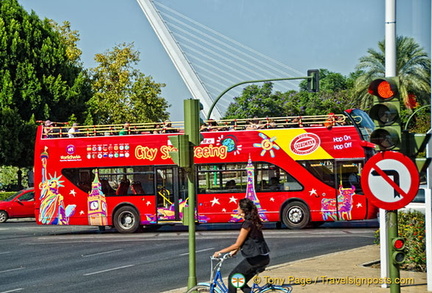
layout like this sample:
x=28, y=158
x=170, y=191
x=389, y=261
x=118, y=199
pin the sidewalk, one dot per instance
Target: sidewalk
x=346, y=271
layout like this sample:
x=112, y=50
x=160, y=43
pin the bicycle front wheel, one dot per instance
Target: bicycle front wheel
x=199, y=288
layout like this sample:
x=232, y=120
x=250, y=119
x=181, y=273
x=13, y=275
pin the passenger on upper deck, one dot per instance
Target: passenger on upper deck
x=125, y=130
x=211, y=125
x=167, y=127
x=253, y=124
x=73, y=130
x=270, y=123
x=48, y=129
x=340, y=120
x=157, y=128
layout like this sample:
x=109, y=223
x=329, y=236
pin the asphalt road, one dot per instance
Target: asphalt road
x=81, y=259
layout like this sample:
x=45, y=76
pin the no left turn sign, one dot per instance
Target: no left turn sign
x=390, y=180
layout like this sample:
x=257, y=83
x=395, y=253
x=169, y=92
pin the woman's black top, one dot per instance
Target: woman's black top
x=254, y=244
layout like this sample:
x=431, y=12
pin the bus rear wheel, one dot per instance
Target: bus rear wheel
x=296, y=215
x=126, y=220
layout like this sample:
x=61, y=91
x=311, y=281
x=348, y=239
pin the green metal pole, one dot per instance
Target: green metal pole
x=250, y=81
x=192, y=280
x=392, y=220
x=192, y=126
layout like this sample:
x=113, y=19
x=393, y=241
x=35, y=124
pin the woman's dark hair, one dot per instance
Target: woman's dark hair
x=250, y=211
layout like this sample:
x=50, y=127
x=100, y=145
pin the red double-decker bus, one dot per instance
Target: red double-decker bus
x=298, y=170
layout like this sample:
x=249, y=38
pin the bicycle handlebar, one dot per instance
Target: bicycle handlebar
x=222, y=257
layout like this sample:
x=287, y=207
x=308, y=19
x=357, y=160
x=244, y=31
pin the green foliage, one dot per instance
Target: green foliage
x=8, y=175
x=335, y=96
x=256, y=101
x=411, y=227
x=329, y=82
x=70, y=38
x=320, y=103
x=123, y=93
x=38, y=81
x=412, y=67
x=6, y=194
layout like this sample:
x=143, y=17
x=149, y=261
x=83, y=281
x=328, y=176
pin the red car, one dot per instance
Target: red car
x=19, y=205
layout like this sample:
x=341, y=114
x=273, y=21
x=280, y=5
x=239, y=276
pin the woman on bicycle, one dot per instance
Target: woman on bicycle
x=251, y=243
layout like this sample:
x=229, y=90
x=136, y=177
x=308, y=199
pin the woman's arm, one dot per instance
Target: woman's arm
x=234, y=248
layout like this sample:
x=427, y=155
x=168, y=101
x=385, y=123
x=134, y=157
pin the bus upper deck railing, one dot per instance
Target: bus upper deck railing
x=61, y=129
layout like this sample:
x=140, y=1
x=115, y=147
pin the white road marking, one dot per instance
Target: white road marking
x=11, y=270
x=108, y=270
x=202, y=250
x=13, y=290
x=101, y=253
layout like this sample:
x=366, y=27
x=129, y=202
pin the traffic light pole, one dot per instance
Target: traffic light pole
x=394, y=273
x=192, y=127
x=192, y=279
x=183, y=156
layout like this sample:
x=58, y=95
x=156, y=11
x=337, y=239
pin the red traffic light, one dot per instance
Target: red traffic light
x=398, y=254
x=383, y=88
x=398, y=243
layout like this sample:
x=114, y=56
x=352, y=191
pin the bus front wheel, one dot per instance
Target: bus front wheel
x=126, y=220
x=296, y=215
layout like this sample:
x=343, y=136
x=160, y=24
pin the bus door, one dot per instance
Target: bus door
x=171, y=192
x=351, y=203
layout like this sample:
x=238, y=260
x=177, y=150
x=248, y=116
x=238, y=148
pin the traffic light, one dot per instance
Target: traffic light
x=385, y=113
x=398, y=254
x=182, y=156
x=193, y=122
x=313, y=80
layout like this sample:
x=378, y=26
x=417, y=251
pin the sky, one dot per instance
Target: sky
x=303, y=34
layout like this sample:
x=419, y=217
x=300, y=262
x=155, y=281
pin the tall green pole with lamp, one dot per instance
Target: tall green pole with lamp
x=184, y=158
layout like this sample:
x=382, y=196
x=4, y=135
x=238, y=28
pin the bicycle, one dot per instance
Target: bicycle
x=217, y=285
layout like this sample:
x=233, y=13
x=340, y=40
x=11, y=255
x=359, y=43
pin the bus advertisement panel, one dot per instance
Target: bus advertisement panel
x=297, y=174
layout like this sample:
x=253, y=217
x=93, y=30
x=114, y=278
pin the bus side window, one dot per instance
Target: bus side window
x=137, y=188
x=263, y=185
x=106, y=187
x=274, y=184
x=230, y=184
x=85, y=186
x=123, y=187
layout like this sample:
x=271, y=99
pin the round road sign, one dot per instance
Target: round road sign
x=390, y=180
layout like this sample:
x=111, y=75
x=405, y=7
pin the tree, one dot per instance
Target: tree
x=335, y=96
x=329, y=82
x=37, y=81
x=256, y=101
x=123, y=93
x=70, y=39
x=412, y=67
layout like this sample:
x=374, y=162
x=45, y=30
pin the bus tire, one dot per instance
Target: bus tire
x=296, y=215
x=126, y=220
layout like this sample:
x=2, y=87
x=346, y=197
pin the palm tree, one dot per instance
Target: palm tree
x=412, y=67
